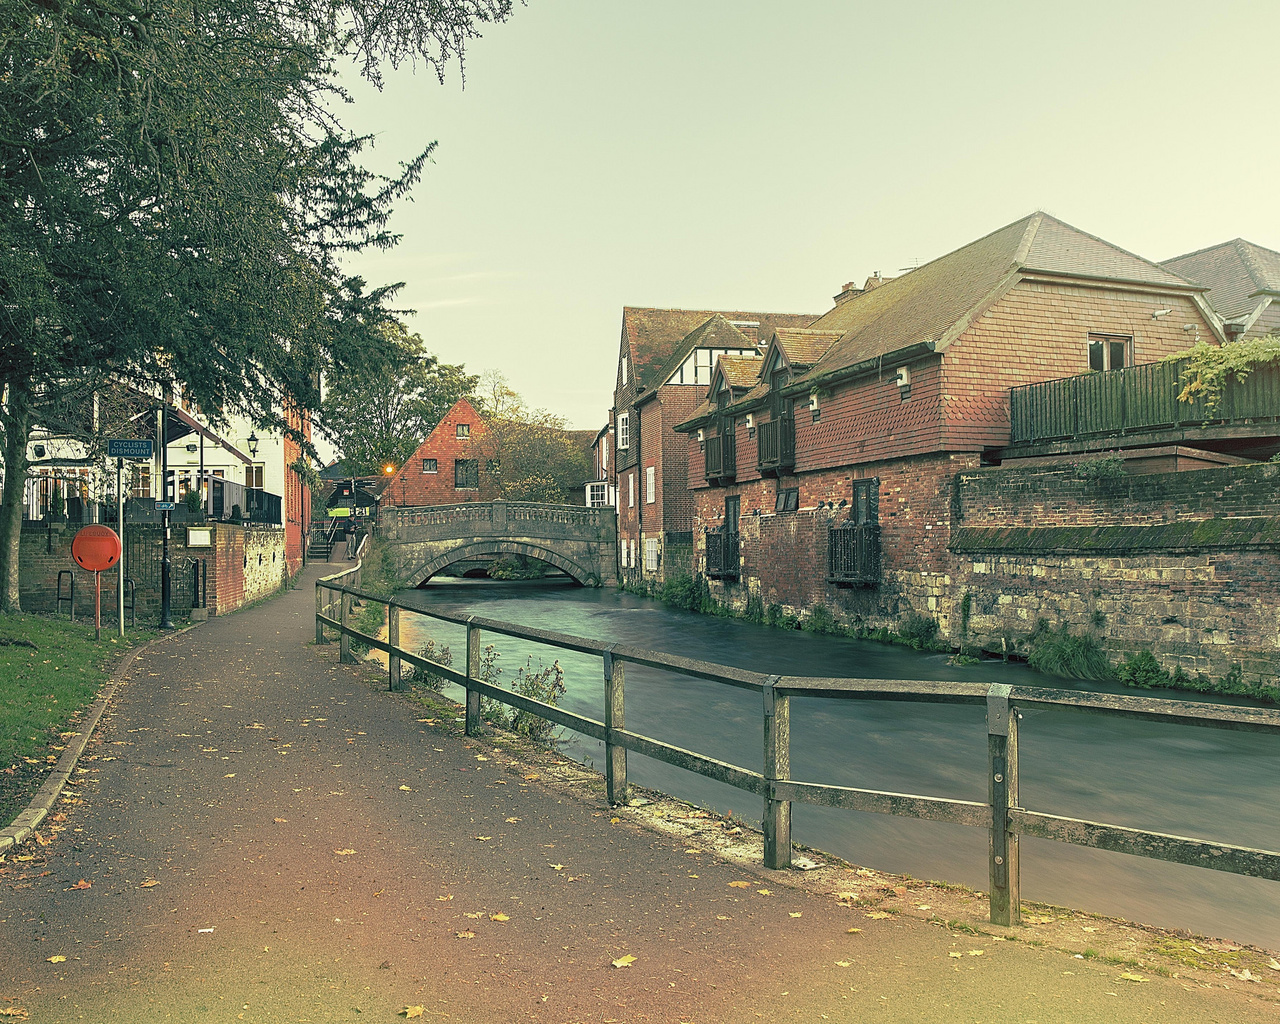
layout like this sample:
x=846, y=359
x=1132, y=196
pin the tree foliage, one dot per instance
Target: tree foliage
x=529, y=454
x=1209, y=367
x=380, y=413
x=176, y=196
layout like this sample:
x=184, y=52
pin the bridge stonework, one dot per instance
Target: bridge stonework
x=580, y=541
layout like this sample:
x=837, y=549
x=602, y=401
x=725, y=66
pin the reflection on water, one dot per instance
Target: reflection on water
x=1204, y=783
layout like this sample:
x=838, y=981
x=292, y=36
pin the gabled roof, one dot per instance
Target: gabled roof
x=933, y=304
x=1238, y=274
x=739, y=372
x=653, y=336
x=801, y=349
x=714, y=332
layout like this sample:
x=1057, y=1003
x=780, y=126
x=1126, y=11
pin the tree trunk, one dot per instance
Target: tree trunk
x=17, y=427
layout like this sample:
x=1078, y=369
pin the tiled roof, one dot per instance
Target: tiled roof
x=934, y=303
x=655, y=335
x=714, y=332
x=804, y=348
x=1235, y=272
x=740, y=371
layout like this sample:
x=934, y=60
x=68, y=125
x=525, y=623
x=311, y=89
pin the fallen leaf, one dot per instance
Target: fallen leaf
x=721, y=917
x=281, y=821
x=531, y=777
x=923, y=906
x=344, y=853
x=1245, y=975
x=624, y=961
x=1128, y=976
x=739, y=885
x=614, y=821
x=846, y=895
x=16, y=1012
x=411, y=1011
x=405, y=789
x=444, y=899
x=692, y=851
x=1274, y=964
x=465, y=935
x=877, y=915
x=796, y=914
x=230, y=776
x=764, y=892
x=557, y=867
x=843, y=963
x=82, y=884
x=853, y=931
x=976, y=952
x=57, y=959
x=43, y=841
x=149, y=883
x=476, y=916
x=512, y=821
x=499, y=916
x=484, y=839
x=956, y=954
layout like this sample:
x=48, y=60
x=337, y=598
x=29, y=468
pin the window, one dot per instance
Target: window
x=464, y=430
x=1110, y=351
x=650, y=485
x=624, y=376
x=429, y=466
x=651, y=554
x=624, y=430
x=788, y=499
x=466, y=475
x=604, y=457
x=252, y=476
x=141, y=480
x=866, y=502
x=597, y=495
x=732, y=513
x=631, y=490
x=633, y=553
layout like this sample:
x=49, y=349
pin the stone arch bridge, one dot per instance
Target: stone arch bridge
x=580, y=541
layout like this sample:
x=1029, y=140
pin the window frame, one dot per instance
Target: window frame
x=631, y=490
x=624, y=431
x=650, y=485
x=465, y=469
x=787, y=499
x=433, y=468
x=1106, y=344
x=462, y=431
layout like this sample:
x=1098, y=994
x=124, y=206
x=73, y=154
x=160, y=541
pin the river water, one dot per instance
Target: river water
x=1204, y=783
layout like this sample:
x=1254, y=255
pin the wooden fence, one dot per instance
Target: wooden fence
x=1002, y=815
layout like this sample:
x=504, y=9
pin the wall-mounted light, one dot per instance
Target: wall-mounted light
x=751, y=421
x=193, y=448
x=253, y=445
x=1156, y=314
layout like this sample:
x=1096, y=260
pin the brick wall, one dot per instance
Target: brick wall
x=412, y=486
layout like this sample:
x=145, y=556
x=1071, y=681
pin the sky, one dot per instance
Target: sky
x=757, y=155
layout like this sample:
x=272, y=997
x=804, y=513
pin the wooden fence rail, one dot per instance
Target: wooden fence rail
x=1002, y=815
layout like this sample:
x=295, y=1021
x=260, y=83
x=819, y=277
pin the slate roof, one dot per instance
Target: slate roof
x=656, y=337
x=935, y=303
x=1238, y=274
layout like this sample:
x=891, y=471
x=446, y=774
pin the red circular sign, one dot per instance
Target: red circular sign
x=96, y=548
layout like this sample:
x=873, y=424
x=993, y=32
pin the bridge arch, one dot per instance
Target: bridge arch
x=496, y=548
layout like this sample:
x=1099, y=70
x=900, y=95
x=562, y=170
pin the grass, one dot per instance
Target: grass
x=42, y=687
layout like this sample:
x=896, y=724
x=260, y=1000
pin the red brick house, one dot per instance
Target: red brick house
x=665, y=361
x=1244, y=285
x=446, y=469
x=846, y=446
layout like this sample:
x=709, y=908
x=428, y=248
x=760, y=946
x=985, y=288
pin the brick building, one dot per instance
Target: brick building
x=1244, y=285
x=665, y=361
x=829, y=478
x=447, y=467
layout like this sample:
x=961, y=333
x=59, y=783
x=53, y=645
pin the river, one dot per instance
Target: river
x=1205, y=783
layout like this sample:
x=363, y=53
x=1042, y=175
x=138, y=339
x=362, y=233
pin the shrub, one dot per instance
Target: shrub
x=681, y=592
x=545, y=684
x=517, y=567
x=1063, y=653
x=755, y=608
x=919, y=631
x=441, y=655
x=820, y=620
x=193, y=501
x=1102, y=467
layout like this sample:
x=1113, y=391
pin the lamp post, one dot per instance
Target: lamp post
x=253, y=464
x=166, y=616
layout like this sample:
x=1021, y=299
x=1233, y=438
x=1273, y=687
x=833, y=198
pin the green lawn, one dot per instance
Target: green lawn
x=41, y=690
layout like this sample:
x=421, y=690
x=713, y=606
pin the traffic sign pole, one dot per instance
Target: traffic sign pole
x=166, y=621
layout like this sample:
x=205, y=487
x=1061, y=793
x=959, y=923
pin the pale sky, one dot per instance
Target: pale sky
x=757, y=155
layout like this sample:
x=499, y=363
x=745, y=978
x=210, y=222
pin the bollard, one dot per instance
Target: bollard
x=473, y=727
x=777, y=767
x=615, y=756
x=344, y=641
x=1002, y=793
x=393, y=639
x=319, y=611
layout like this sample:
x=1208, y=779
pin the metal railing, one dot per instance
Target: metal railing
x=776, y=445
x=723, y=550
x=853, y=554
x=1135, y=398
x=1002, y=815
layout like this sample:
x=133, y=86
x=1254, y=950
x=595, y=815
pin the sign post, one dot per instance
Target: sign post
x=121, y=448
x=96, y=548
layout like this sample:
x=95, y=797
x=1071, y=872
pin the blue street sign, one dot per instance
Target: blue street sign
x=165, y=506
x=128, y=448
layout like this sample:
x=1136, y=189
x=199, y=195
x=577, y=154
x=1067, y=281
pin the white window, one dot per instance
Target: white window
x=464, y=430
x=651, y=554
x=604, y=456
x=631, y=490
x=624, y=429
x=597, y=495
x=633, y=553
x=650, y=486
x=624, y=374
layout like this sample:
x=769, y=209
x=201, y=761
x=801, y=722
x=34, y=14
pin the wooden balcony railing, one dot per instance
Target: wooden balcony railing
x=720, y=458
x=1137, y=398
x=853, y=554
x=722, y=554
x=776, y=445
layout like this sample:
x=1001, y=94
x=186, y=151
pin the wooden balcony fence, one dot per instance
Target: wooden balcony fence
x=721, y=458
x=1135, y=399
x=776, y=441
x=853, y=554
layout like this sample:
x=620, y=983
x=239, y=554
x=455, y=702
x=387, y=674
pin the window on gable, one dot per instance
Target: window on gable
x=624, y=430
x=624, y=371
x=466, y=475
x=429, y=466
x=788, y=500
x=1110, y=351
x=464, y=430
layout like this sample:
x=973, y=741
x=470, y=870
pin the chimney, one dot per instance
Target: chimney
x=875, y=281
x=849, y=291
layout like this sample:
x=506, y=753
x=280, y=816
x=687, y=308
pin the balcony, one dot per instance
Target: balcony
x=853, y=555
x=776, y=440
x=721, y=461
x=723, y=549
x=1140, y=404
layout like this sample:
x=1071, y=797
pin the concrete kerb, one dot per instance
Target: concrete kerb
x=24, y=825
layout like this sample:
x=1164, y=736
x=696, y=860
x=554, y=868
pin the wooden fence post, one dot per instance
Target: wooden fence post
x=393, y=638
x=615, y=756
x=473, y=726
x=1002, y=792
x=319, y=611
x=777, y=767
x=344, y=641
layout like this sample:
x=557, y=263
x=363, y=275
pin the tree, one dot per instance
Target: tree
x=176, y=195
x=379, y=414
x=530, y=455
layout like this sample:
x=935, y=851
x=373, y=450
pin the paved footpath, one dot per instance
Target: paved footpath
x=269, y=838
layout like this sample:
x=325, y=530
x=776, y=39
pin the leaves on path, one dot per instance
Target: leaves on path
x=1130, y=976
x=82, y=884
x=16, y=1012
x=484, y=839
x=624, y=961
x=557, y=867
x=444, y=899
x=499, y=916
x=877, y=915
x=739, y=885
x=853, y=931
x=344, y=853
x=465, y=935
x=405, y=789
x=1245, y=975
x=411, y=1011
x=764, y=892
x=955, y=953
x=149, y=883
x=512, y=821
x=57, y=959
x=979, y=952
x=843, y=963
